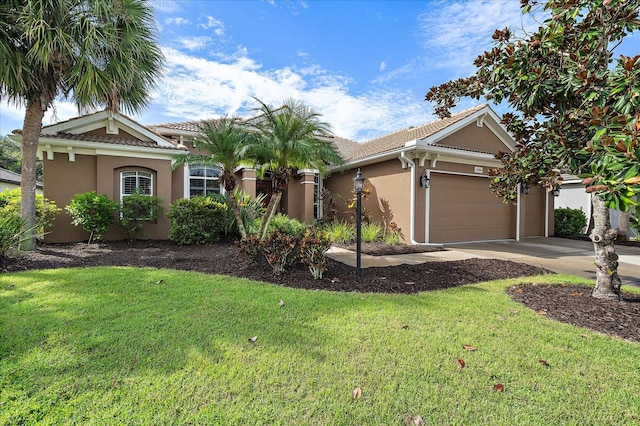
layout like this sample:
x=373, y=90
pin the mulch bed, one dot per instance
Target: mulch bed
x=574, y=305
x=224, y=258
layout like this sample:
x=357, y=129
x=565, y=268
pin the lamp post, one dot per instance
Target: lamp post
x=358, y=187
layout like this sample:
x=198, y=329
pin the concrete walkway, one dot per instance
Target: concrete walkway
x=559, y=255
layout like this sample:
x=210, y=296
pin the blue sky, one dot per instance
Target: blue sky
x=364, y=65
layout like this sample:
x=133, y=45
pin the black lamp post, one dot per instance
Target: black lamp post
x=358, y=187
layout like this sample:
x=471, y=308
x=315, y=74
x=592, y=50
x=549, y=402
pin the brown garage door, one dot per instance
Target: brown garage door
x=463, y=208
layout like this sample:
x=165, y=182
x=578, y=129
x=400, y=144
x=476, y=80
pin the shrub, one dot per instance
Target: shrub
x=251, y=211
x=198, y=220
x=94, y=212
x=371, y=232
x=11, y=232
x=393, y=234
x=281, y=250
x=569, y=222
x=46, y=210
x=341, y=231
x=136, y=210
x=286, y=225
x=313, y=247
x=251, y=246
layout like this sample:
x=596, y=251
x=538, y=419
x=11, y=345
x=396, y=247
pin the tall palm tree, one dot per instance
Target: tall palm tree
x=96, y=52
x=229, y=145
x=291, y=137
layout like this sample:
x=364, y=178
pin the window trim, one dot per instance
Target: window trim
x=138, y=174
x=188, y=177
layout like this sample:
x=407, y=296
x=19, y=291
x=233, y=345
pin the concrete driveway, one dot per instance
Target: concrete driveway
x=556, y=254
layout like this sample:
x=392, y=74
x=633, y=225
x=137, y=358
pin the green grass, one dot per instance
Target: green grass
x=143, y=346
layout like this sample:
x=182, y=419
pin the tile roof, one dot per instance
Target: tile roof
x=110, y=140
x=12, y=177
x=186, y=126
x=398, y=139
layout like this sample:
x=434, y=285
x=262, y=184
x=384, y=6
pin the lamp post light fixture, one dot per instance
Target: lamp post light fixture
x=556, y=191
x=525, y=189
x=424, y=180
x=358, y=187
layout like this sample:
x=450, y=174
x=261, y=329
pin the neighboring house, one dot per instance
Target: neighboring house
x=114, y=155
x=456, y=204
x=572, y=195
x=10, y=180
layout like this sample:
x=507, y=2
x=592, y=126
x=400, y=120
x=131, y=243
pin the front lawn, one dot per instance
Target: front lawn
x=147, y=346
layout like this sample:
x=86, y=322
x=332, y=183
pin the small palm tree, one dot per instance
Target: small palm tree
x=291, y=137
x=96, y=52
x=229, y=145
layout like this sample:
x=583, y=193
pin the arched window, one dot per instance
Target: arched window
x=133, y=181
x=204, y=180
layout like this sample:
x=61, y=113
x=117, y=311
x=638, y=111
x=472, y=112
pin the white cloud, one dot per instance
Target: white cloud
x=167, y=6
x=196, y=88
x=194, y=43
x=383, y=66
x=461, y=30
x=12, y=116
x=211, y=22
x=177, y=21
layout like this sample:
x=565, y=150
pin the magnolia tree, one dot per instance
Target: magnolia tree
x=576, y=108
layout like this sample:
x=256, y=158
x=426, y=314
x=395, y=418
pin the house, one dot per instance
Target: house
x=572, y=195
x=450, y=157
x=113, y=155
x=10, y=180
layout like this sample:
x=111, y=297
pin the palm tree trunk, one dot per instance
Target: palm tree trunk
x=269, y=214
x=603, y=236
x=30, y=135
x=236, y=212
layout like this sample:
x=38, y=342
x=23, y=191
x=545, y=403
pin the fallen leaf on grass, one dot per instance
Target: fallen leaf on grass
x=469, y=347
x=253, y=339
x=518, y=290
x=461, y=363
x=357, y=393
x=414, y=420
x=542, y=312
x=281, y=303
x=159, y=281
x=543, y=362
x=498, y=387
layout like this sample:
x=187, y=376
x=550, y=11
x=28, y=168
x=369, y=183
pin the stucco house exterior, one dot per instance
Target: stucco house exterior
x=113, y=155
x=10, y=180
x=456, y=205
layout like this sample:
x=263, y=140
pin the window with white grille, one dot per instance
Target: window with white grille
x=132, y=182
x=204, y=180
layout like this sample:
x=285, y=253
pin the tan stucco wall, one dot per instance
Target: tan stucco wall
x=59, y=173
x=102, y=174
x=474, y=138
x=389, y=200
x=534, y=216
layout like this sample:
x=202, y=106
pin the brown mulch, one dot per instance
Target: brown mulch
x=574, y=305
x=224, y=258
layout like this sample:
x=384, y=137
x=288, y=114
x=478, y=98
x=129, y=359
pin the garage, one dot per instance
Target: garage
x=463, y=208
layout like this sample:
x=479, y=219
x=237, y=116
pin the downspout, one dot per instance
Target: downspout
x=546, y=214
x=412, y=204
x=518, y=202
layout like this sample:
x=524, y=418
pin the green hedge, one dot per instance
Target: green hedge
x=569, y=222
x=197, y=220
